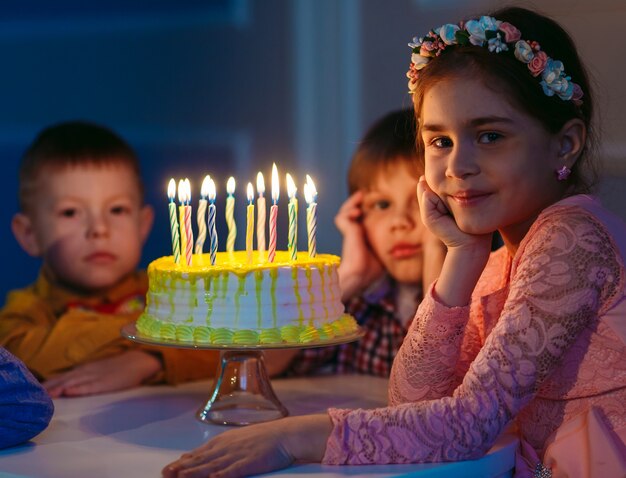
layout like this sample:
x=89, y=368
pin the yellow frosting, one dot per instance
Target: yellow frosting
x=235, y=262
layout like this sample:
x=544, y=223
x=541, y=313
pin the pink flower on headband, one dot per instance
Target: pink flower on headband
x=538, y=63
x=511, y=33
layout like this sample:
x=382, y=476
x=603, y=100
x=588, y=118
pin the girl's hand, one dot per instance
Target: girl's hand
x=256, y=449
x=119, y=372
x=466, y=256
x=359, y=266
x=437, y=218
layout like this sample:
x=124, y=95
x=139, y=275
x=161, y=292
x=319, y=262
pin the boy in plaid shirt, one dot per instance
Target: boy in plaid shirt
x=387, y=255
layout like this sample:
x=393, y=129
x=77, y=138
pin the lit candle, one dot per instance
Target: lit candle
x=273, y=214
x=292, y=238
x=212, y=230
x=171, y=194
x=310, y=194
x=181, y=220
x=230, y=215
x=188, y=230
x=260, y=205
x=201, y=215
x=250, y=222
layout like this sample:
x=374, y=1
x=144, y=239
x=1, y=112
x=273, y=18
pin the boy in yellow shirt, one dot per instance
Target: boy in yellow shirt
x=82, y=213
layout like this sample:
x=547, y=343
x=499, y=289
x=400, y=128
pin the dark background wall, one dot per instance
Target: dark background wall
x=226, y=87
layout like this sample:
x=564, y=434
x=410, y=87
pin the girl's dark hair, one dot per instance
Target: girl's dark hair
x=73, y=143
x=389, y=141
x=502, y=71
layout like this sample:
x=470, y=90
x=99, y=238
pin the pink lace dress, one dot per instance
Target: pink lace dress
x=542, y=344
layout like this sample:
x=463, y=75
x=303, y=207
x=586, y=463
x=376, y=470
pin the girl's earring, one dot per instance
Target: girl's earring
x=563, y=173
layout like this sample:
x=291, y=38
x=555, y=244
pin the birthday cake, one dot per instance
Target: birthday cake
x=246, y=302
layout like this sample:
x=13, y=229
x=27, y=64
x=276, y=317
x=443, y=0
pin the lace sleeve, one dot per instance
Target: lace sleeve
x=425, y=365
x=566, y=273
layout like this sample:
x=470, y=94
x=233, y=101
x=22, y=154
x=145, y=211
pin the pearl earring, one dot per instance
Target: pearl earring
x=563, y=173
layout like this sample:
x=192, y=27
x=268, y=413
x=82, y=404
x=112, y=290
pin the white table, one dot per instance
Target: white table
x=136, y=432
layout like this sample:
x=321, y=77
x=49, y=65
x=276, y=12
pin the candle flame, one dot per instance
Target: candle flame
x=308, y=197
x=250, y=193
x=312, y=189
x=211, y=193
x=291, y=187
x=260, y=183
x=275, y=185
x=230, y=185
x=171, y=189
x=181, y=191
x=204, y=190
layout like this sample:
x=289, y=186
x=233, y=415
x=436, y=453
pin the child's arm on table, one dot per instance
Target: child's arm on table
x=48, y=344
x=359, y=266
x=126, y=370
x=257, y=448
x=83, y=340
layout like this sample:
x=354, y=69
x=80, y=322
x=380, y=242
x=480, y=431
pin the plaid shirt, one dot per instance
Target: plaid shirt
x=373, y=354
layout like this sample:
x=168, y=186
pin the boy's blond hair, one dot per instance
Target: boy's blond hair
x=389, y=141
x=73, y=143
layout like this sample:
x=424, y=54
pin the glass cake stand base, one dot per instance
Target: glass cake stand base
x=242, y=393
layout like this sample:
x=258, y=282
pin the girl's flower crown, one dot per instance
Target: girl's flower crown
x=498, y=37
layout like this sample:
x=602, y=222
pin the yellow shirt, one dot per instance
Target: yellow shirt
x=52, y=330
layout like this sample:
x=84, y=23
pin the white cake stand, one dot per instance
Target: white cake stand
x=242, y=393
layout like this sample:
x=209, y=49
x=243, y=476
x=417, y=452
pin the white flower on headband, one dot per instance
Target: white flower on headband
x=448, y=33
x=497, y=37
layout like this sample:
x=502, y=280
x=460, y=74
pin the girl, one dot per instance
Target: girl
x=534, y=333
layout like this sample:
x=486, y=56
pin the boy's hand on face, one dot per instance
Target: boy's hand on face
x=359, y=266
x=119, y=372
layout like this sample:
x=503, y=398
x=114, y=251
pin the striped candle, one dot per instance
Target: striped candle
x=181, y=221
x=188, y=230
x=310, y=195
x=273, y=214
x=201, y=216
x=171, y=194
x=249, y=222
x=260, y=205
x=230, y=215
x=292, y=209
x=212, y=230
